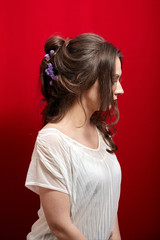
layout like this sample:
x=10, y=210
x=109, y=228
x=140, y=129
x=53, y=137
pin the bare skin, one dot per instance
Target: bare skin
x=73, y=123
x=56, y=204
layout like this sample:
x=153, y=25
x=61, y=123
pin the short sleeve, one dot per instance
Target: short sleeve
x=49, y=166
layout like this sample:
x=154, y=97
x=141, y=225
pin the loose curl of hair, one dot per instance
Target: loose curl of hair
x=79, y=62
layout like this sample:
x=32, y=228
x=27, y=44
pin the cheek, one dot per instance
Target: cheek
x=114, y=87
x=96, y=94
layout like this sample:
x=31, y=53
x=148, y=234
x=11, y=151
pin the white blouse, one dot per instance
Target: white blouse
x=91, y=177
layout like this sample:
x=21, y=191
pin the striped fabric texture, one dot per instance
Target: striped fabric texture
x=91, y=177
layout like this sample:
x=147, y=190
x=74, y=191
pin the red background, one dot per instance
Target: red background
x=132, y=26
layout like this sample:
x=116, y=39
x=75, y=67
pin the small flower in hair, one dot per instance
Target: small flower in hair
x=50, y=83
x=51, y=51
x=49, y=71
x=47, y=56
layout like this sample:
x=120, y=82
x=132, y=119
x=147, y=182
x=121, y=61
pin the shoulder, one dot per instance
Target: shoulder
x=49, y=138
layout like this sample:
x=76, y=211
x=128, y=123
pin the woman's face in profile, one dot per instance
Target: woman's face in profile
x=92, y=95
x=117, y=87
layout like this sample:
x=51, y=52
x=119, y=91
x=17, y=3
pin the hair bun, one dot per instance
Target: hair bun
x=54, y=43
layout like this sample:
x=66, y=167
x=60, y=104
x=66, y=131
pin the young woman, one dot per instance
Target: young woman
x=73, y=167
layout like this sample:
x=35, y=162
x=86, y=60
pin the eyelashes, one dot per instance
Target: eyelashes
x=116, y=79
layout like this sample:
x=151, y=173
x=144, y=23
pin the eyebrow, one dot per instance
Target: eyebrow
x=117, y=75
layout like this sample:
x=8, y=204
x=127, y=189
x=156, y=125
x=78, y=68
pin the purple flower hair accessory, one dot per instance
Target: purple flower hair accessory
x=50, y=83
x=47, y=56
x=49, y=71
x=51, y=51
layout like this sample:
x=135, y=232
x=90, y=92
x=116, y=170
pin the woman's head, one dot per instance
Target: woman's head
x=78, y=64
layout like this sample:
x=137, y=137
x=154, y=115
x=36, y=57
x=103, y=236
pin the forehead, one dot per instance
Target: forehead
x=117, y=69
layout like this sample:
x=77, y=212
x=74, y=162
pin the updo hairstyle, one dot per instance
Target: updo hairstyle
x=78, y=62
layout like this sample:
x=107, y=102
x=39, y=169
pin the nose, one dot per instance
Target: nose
x=119, y=90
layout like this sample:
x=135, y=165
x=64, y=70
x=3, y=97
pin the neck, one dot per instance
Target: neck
x=75, y=118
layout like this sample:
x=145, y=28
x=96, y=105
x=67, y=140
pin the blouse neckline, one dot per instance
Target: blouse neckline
x=93, y=149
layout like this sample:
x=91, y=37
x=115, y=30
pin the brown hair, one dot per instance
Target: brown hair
x=79, y=62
